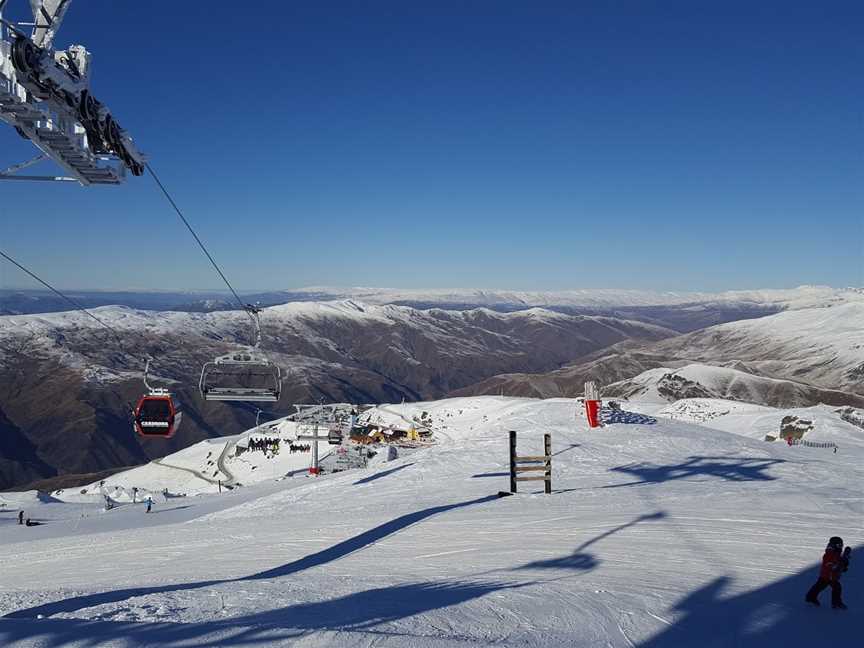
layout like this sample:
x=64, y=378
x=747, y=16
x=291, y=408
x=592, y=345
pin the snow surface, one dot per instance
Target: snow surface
x=670, y=535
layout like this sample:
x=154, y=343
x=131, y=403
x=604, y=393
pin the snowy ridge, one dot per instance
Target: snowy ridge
x=801, y=297
x=666, y=384
x=823, y=345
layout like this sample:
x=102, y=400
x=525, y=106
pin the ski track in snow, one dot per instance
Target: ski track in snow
x=671, y=535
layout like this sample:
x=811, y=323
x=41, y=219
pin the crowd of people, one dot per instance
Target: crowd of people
x=267, y=444
x=264, y=444
x=303, y=447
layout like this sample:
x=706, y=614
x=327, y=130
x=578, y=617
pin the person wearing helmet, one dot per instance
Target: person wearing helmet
x=834, y=563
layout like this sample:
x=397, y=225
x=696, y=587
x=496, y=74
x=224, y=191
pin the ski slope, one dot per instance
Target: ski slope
x=670, y=535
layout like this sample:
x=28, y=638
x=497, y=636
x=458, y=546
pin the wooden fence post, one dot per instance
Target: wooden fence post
x=512, y=461
x=545, y=460
x=547, y=451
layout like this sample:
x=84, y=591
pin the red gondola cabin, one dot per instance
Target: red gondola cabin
x=157, y=415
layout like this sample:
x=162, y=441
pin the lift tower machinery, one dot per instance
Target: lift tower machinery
x=45, y=96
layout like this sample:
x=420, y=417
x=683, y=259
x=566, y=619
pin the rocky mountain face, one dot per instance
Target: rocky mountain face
x=819, y=352
x=618, y=362
x=820, y=346
x=702, y=381
x=67, y=385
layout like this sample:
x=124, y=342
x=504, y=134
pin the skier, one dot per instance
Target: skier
x=20, y=517
x=149, y=503
x=834, y=563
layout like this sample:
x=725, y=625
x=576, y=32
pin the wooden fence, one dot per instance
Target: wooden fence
x=517, y=464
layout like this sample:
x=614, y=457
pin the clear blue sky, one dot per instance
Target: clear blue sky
x=526, y=145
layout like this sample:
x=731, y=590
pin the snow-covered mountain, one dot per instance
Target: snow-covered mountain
x=63, y=376
x=665, y=384
x=671, y=535
x=66, y=383
x=605, y=298
x=682, y=311
x=822, y=347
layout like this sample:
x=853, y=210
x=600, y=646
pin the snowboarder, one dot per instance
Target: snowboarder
x=20, y=517
x=149, y=503
x=834, y=563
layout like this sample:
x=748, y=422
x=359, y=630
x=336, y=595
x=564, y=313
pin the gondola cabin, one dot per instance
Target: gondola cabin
x=157, y=415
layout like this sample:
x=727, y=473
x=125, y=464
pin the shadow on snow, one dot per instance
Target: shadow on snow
x=773, y=615
x=337, y=551
x=381, y=474
x=359, y=611
x=732, y=469
x=581, y=561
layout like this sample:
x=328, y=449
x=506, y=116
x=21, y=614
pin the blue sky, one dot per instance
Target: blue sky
x=524, y=145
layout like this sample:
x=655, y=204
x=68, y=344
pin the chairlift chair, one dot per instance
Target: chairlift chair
x=244, y=375
x=157, y=414
x=241, y=376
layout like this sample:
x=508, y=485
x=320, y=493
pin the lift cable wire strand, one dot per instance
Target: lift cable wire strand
x=78, y=306
x=248, y=309
x=245, y=376
x=156, y=414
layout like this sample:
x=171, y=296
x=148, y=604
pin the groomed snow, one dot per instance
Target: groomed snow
x=670, y=535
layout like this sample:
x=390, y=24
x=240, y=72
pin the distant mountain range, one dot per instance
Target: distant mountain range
x=817, y=353
x=66, y=385
x=681, y=311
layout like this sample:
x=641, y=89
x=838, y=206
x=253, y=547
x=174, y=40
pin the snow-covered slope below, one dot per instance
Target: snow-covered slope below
x=672, y=535
x=825, y=423
x=208, y=466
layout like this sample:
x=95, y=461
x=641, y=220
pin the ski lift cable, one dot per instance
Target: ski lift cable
x=78, y=306
x=248, y=309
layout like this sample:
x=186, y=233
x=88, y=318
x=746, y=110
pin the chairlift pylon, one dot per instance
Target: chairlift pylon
x=243, y=375
x=157, y=414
